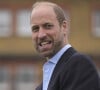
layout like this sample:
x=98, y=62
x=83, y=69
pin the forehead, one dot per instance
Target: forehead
x=41, y=13
x=43, y=8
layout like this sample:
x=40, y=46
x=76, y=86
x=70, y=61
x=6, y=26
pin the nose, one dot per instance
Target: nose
x=41, y=33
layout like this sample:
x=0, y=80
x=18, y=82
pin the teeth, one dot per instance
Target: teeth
x=44, y=43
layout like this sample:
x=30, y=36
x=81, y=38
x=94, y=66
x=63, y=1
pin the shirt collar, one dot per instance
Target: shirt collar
x=56, y=57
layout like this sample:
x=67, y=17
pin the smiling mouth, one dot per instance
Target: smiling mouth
x=44, y=43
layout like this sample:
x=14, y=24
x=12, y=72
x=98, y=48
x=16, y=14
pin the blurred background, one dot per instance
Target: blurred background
x=20, y=65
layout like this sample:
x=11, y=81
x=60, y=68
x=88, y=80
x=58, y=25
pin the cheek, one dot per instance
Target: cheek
x=57, y=35
x=34, y=38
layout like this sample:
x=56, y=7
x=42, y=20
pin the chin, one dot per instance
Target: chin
x=48, y=54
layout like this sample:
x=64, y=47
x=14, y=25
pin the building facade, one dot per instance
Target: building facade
x=20, y=66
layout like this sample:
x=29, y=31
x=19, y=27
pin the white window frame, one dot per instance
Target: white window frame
x=5, y=23
x=26, y=85
x=96, y=23
x=5, y=77
x=23, y=23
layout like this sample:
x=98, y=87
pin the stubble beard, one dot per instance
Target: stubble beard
x=50, y=53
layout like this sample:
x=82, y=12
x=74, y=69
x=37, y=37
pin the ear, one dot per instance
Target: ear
x=65, y=27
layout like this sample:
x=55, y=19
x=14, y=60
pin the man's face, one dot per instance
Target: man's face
x=47, y=35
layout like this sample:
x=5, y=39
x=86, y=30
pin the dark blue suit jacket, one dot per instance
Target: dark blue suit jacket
x=74, y=71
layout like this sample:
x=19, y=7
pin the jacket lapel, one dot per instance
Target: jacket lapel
x=63, y=59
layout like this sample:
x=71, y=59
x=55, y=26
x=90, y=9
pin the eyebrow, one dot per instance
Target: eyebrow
x=41, y=24
x=47, y=23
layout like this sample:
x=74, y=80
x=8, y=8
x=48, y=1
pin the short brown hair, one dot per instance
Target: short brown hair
x=58, y=10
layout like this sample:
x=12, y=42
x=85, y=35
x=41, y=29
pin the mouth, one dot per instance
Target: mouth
x=45, y=45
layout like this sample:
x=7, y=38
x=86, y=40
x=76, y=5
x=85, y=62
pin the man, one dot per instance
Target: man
x=65, y=69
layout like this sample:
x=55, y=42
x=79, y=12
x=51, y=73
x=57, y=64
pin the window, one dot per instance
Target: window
x=4, y=79
x=96, y=23
x=23, y=23
x=5, y=23
x=25, y=78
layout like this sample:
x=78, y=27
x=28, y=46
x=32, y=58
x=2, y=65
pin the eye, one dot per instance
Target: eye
x=35, y=28
x=48, y=26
